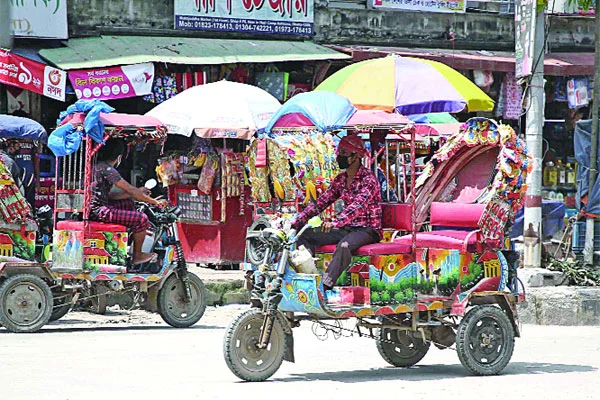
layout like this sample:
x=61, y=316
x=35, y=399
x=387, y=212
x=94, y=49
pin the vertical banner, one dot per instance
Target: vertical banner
x=113, y=82
x=31, y=75
x=524, y=37
x=38, y=18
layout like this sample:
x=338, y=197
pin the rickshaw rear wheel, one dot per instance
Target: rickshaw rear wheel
x=401, y=348
x=485, y=340
x=172, y=306
x=61, y=306
x=99, y=298
x=240, y=347
x=25, y=303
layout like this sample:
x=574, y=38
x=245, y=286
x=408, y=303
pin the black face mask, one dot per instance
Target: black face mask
x=342, y=161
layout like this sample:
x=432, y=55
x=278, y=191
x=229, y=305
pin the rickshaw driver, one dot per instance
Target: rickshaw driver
x=120, y=210
x=358, y=224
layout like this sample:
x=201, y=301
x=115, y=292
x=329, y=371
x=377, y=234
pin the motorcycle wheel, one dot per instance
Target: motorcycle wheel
x=25, y=303
x=401, y=348
x=485, y=340
x=242, y=355
x=171, y=301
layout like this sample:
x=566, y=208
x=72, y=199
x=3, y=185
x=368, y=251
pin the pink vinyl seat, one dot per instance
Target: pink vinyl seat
x=444, y=239
x=93, y=226
x=450, y=215
x=395, y=216
x=372, y=249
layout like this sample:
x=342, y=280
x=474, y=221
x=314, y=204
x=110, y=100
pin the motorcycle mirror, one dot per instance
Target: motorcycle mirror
x=150, y=184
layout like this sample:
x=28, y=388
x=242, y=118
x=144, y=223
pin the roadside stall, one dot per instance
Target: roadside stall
x=205, y=173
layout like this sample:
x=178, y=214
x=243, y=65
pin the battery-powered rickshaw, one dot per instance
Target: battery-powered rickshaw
x=446, y=276
x=92, y=259
x=25, y=295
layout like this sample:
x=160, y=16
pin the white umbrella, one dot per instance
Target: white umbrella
x=217, y=110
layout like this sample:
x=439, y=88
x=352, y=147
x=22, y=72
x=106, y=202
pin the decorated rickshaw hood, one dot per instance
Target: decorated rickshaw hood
x=475, y=137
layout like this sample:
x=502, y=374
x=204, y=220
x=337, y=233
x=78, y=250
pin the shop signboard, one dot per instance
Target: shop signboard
x=39, y=18
x=113, y=82
x=31, y=75
x=437, y=6
x=281, y=17
x=525, y=12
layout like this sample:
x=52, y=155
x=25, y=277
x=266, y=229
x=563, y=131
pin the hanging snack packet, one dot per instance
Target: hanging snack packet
x=207, y=176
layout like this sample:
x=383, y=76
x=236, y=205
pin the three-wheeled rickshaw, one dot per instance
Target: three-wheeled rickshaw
x=25, y=281
x=92, y=259
x=446, y=276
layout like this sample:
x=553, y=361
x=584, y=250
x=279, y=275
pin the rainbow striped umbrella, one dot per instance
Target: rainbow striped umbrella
x=408, y=85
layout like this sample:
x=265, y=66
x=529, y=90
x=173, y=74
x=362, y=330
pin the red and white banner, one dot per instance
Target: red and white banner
x=113, y=82
x=31, y=75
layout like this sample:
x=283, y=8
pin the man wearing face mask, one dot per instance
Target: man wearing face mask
x=358, y=224
x=120, y=209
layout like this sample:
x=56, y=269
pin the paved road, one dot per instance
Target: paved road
x=136, y=356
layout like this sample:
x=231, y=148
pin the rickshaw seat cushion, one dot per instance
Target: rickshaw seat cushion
x=456, y=214
x=396, y=216
x=93, y=226
x=444, y=239
x=372, y=249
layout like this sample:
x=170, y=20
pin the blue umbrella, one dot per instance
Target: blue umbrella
x=325, y=110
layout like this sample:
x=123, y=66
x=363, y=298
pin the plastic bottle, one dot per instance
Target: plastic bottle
x=562, y=173
x=549, y=174
x=571, y=181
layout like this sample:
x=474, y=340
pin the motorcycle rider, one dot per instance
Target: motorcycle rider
x=358, y=224
x=120, y=209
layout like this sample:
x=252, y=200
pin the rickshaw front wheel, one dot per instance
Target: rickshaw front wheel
x=401, y=348
x=25, y=303
x=172, y=306
x=485, y=340
x=240, y=347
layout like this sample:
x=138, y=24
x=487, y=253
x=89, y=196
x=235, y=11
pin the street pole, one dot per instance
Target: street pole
x=588, y=251
x=532, y=235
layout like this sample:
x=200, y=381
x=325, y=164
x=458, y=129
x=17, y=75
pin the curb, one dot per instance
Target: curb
x=222, y=292
x=561, y=305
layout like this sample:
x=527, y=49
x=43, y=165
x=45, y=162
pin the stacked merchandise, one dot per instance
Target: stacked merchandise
x=13, y=207
x=293, y=161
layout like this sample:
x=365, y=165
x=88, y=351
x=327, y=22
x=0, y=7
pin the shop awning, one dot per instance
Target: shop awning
x=556, y=64
x=107, y=51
